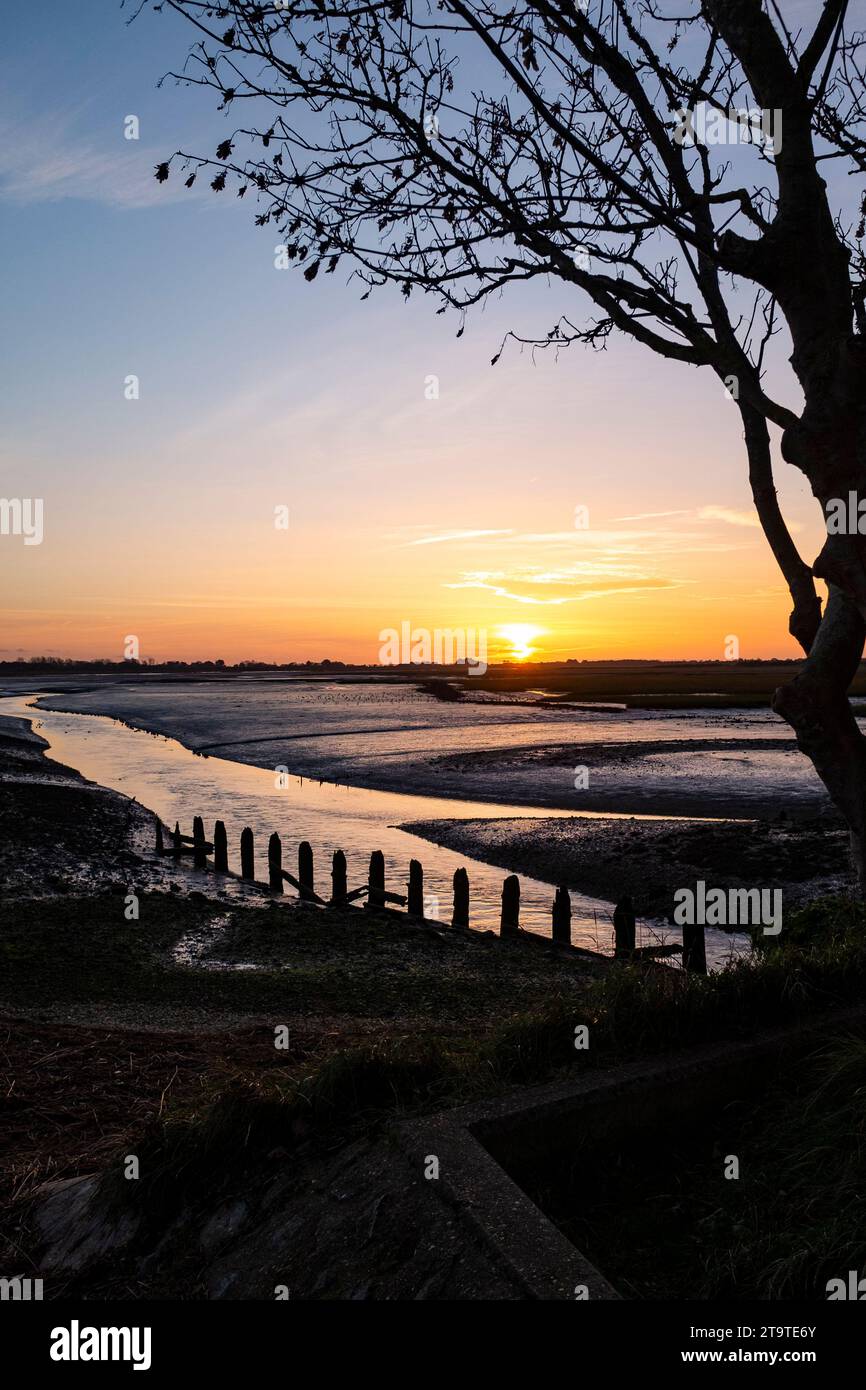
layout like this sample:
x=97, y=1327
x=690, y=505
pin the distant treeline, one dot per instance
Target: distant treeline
x=70, y=665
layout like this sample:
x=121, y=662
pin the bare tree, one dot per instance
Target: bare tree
x=662, y=160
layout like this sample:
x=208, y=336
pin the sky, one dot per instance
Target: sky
x=259, y=391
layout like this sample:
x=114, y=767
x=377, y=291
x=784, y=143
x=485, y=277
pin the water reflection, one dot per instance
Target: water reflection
x=178, y=784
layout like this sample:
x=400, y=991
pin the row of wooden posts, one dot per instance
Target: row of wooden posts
x=378, y=897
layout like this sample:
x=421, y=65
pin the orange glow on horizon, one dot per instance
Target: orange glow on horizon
x=237, y=589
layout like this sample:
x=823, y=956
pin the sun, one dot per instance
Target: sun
x=520, y=637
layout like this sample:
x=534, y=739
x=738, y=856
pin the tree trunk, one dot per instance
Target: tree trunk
x=827, y=445
x=816, y=705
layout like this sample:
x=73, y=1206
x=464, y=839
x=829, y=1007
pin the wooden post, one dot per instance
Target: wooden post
x=176, y=848
x=199, y=856
x=624, y=929
x=220, y=848
x=247, y=854
x=460, y=916
x=339, y=882
x=305, y=871
x=275, y=863
x=415, y=890
x=160, y=847
x=694, y=949
x=510, y=922
x=562, y=917
x=376, y=881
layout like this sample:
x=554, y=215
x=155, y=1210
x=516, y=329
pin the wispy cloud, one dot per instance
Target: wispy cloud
x=580, y=595
x=651, y=516
x=601, y=541
x=552, y=569
x=455, y=536
x=730, y=515
x=43, y=159
x=596, y=576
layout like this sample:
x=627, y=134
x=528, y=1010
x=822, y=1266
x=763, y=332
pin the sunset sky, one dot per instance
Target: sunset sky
x=260, y=390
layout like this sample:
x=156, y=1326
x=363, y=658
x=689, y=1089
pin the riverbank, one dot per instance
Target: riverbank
x=59, y=834
x=538, y=753
x=650, y=859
